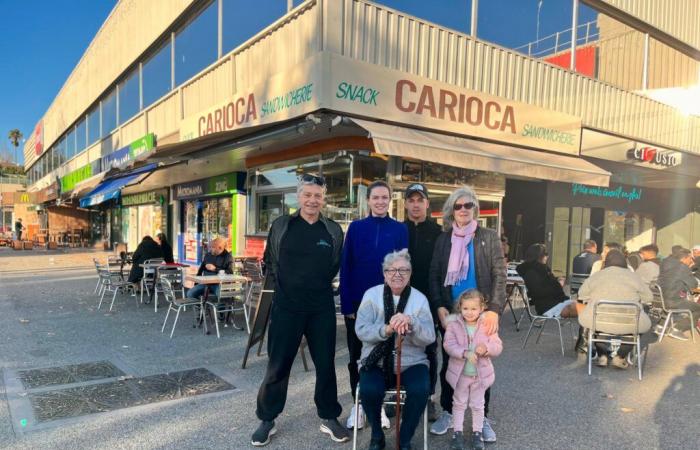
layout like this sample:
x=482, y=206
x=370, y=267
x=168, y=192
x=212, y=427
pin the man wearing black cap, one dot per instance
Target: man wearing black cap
x=422, y=234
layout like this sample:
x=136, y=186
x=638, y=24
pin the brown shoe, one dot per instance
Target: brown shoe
x=619, y=362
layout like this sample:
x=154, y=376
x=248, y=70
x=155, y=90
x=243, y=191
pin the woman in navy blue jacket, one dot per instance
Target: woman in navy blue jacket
x=367, y=242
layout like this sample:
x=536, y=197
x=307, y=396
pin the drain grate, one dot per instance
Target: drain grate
x=76, y=373
x=110, y=396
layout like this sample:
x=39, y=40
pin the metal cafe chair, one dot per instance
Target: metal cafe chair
x=389, y=399
x=541, y=321
x=112, y=282
x=575, y=282
x=175, y=304
x=177, y=281
x=149, y=276
x=616, y=313
x=230, y=292
x=669, y=312
x=98, y=286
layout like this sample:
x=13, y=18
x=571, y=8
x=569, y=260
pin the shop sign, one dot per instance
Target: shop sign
x=374, y=91
x=69, y=181
x=23, y=197
x=653, y=155
x=123, y=155
x=631, y=195
x=193, y=189
x=157, y=197
x=281, y=97
x=39, y=138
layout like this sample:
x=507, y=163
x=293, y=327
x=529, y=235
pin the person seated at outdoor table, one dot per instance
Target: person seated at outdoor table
x=162, y=240
x=147, y=249
x=615, y=283
x=648, y=270
x=583, y=262
x=545, y=291
x=598, y=265
x=217, y=259
x=387, y=310
x=677, y=283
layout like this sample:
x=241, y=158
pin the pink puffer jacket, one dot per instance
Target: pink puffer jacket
x=457, y=340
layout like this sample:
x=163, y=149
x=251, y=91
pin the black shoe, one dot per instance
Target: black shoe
x=581, y=344
x=432, y=411
x=262, y=435
x=477, y=441
x=335, y=430
x=377, y=444
x=457, y=441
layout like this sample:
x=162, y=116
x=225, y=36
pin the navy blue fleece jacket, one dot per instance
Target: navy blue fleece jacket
x=367, y=242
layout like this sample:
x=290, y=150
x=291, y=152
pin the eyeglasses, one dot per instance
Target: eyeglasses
x=468, y=205
x=403, y=271
x=317, y=180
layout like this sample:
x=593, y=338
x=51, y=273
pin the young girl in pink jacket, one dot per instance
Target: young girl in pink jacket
x=469, y=370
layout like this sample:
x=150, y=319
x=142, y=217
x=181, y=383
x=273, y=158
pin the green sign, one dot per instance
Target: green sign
x=223, y=184
x=630, y=195
x=142, y=145
x=145, y=198
x=69, y=181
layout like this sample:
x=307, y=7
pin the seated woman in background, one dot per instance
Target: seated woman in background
x=147, y=249
x=615, y=283
x=543, y=288
x=165, y=247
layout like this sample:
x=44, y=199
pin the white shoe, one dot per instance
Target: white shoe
x=385, y=420
x=350, y=424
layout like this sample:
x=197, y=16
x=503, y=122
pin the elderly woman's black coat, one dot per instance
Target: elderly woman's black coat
x=490, y=271
x=147, y=249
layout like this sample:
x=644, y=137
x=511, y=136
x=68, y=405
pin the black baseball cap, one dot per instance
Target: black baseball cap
x=416, y=187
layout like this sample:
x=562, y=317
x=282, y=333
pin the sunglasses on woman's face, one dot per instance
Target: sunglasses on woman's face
x=319, y=181
x=468, y=205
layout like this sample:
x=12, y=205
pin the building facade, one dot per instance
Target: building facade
x=209, y=124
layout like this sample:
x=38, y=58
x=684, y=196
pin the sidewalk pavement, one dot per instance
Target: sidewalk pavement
x=13, y=261
x=541, y=399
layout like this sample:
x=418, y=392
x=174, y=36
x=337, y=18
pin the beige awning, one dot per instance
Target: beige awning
x=394, y=140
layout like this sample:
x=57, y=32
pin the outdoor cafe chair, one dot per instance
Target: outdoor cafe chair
x=389, y=399
x=669, y=313
x=575, y=282
x=177, y=281
x=175, y=304
x=230, y=292
x=616, y=313
x=149, y=276
x=98, y=286
x=112, y=282
x=538, y=320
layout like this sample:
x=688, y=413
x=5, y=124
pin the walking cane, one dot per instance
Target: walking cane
x=398, y=390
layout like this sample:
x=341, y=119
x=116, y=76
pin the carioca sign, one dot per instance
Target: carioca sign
x=653, y=155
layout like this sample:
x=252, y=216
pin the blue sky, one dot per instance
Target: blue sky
x=42, y=40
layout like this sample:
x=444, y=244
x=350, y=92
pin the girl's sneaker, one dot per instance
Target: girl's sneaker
x=457, y=441
x=477, y=441
x=359, y=418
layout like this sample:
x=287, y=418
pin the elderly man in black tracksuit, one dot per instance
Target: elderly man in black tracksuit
x=422, y=235
x=302, y=257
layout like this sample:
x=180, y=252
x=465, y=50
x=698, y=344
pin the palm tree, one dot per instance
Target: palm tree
x=15, y=137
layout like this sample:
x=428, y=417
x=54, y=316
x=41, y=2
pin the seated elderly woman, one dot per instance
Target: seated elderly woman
x=616, y=283
x=544, y=289
x=387, y=310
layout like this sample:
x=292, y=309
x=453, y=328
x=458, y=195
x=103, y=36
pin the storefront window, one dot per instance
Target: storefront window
x=191, y=232
x=216, y=221
x=156, y=76
x=196, y=44
x=129, y=99
x=241, y=22
x=80, y=136
x=109, y=113
x=629, y=229
x=272, y=206
x=70, y=144
x=93, y=124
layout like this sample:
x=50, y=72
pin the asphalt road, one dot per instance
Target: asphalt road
x=541, y=400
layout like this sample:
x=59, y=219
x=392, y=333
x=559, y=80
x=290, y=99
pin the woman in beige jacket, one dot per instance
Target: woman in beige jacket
x=616, y=283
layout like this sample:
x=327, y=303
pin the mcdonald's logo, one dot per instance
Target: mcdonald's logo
x=24, y=198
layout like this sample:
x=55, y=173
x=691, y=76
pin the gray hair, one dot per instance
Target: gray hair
x=448, y=210
x=302, y=183
x=392, y=257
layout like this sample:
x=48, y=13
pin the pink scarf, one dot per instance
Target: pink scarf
x=458, y=266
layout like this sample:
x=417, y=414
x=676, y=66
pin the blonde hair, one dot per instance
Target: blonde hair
x=469, y=294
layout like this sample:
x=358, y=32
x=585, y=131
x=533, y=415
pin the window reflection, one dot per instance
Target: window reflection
x=241, y=21
x=196, y=45
x=156, y=76
x=80, y=136
x=129, y=97
x=93, y=125
x=109, y=113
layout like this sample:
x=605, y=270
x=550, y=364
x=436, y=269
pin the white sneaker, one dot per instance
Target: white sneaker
x=350, y=424
x=385, y=420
